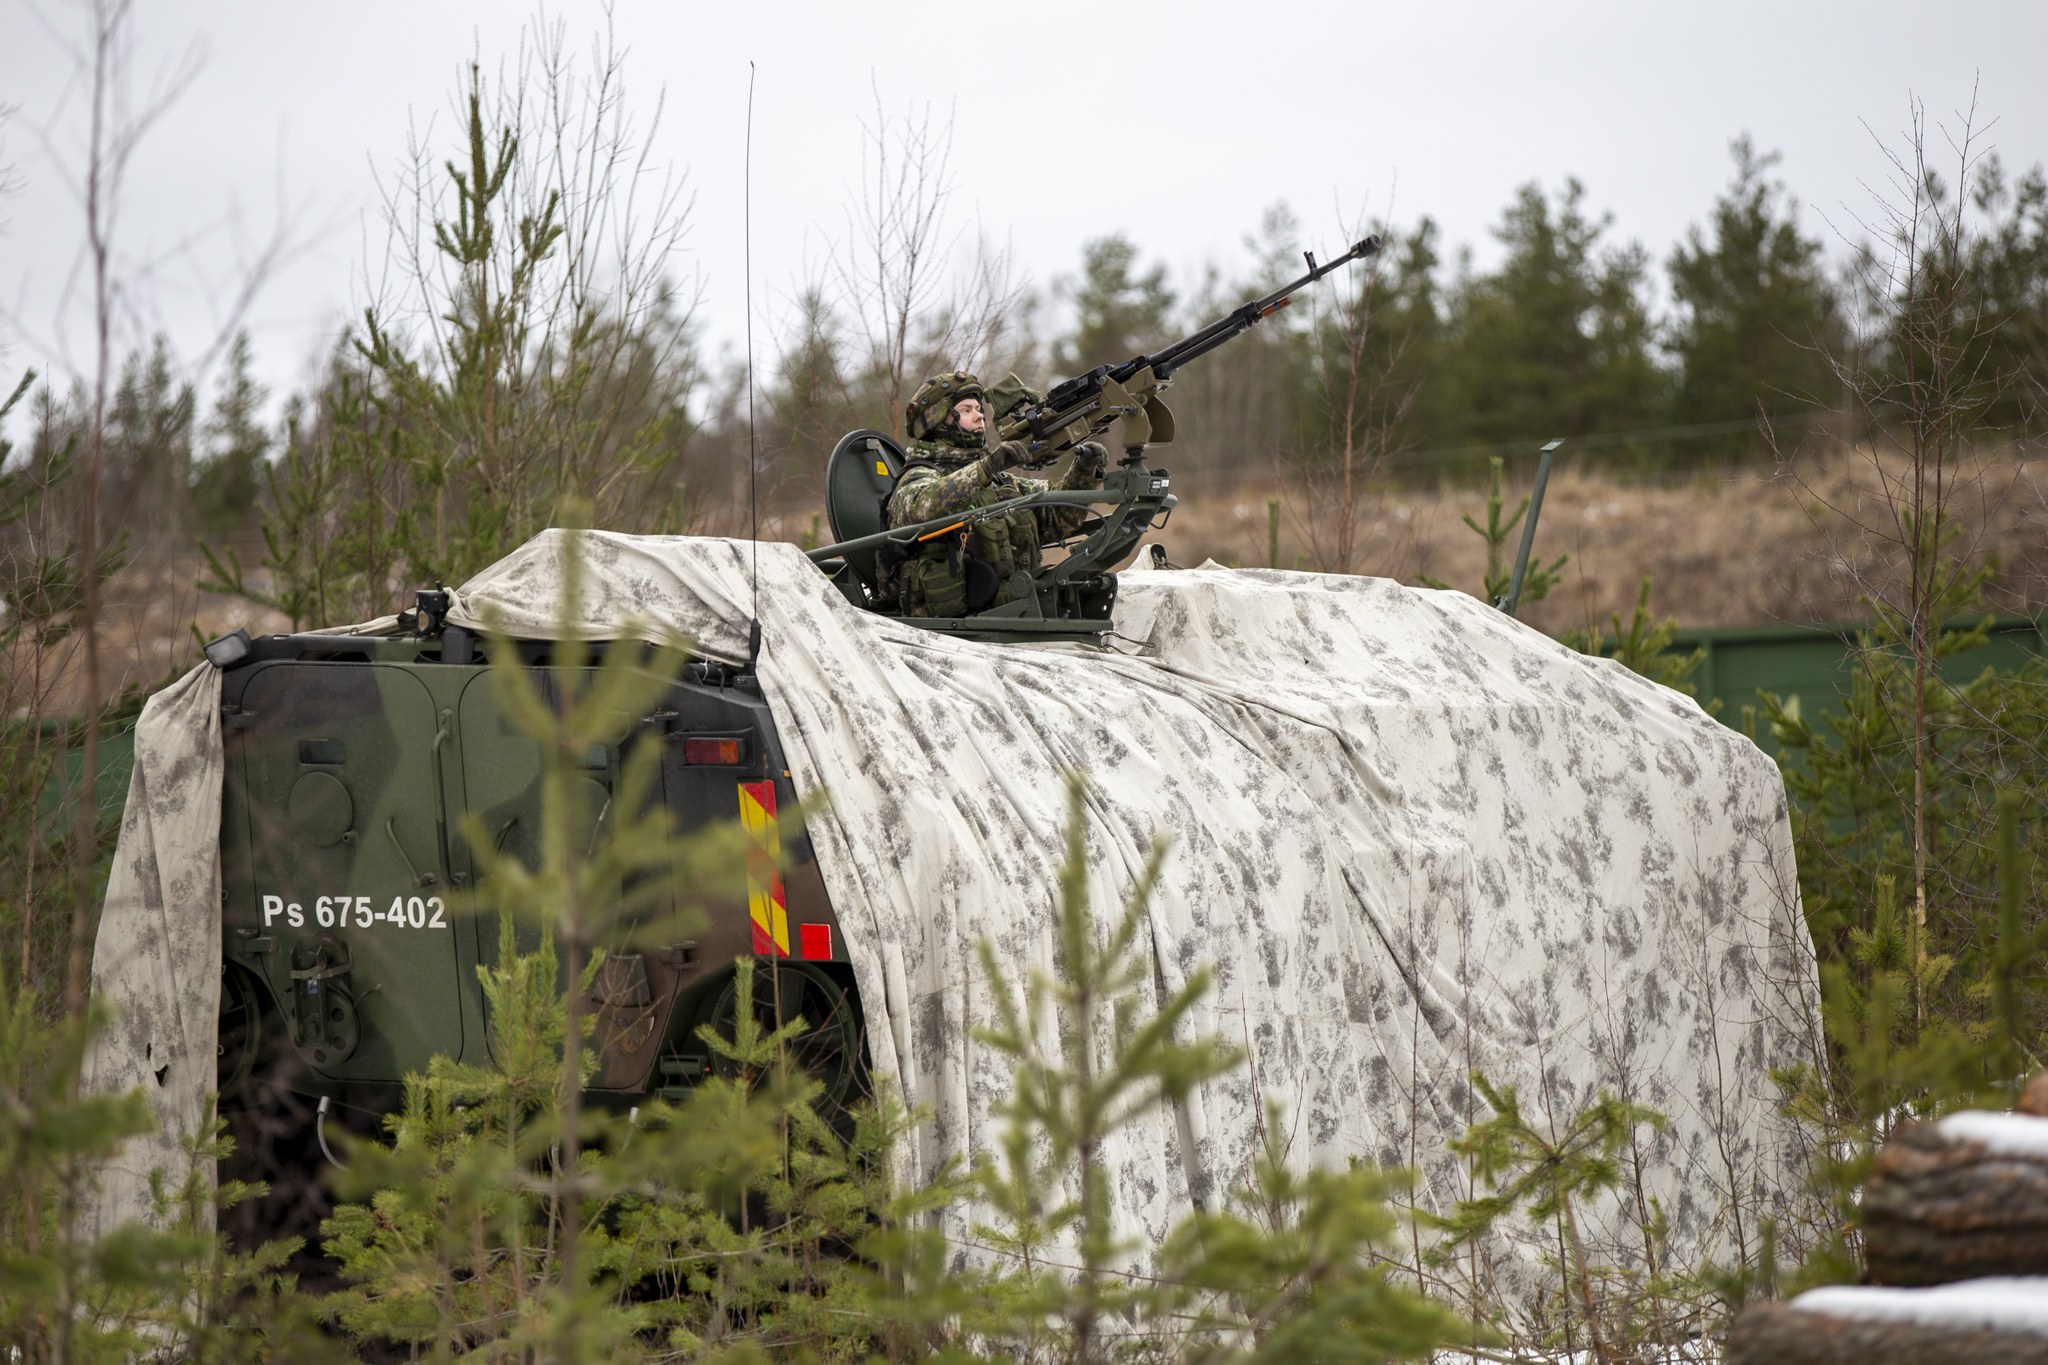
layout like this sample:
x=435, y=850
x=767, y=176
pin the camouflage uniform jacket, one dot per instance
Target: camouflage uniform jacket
x=937, y=483
x=983, y=566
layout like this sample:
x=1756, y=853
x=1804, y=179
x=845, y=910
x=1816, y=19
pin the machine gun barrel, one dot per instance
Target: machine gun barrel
x=1089, y=402
x=1241, y=319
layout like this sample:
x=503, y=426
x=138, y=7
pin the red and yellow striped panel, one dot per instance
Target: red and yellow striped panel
x=765, y=901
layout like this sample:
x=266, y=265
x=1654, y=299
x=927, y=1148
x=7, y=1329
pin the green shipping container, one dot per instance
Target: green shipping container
x=1812, y=663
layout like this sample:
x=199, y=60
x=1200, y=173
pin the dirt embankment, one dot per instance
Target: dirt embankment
x=153, y=617
x=1806, y=543
x=1754, y=546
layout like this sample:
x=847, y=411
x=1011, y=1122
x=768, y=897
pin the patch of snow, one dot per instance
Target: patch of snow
x=2008, y=1303
x=1697, y=1351
x=2006, y=1134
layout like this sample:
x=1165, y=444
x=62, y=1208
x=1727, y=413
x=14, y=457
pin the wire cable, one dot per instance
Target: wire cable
x=753, y=441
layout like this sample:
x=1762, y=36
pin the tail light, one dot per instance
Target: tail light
x=714, y=751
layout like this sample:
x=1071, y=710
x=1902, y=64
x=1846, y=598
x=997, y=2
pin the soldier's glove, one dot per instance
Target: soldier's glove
x=1090, y=458
x=1008, y=455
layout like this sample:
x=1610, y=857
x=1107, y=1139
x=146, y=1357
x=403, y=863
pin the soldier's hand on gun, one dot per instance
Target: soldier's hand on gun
x=1090, y=458
x=1008, y=455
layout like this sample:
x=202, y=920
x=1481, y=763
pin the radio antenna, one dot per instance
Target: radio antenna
x=753, y=444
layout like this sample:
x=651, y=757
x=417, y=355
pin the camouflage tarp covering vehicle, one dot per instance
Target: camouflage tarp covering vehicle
x=1415, y=837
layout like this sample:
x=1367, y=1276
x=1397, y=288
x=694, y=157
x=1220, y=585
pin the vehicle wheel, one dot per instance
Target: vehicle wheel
x=828, y=1049
x=241, y=1035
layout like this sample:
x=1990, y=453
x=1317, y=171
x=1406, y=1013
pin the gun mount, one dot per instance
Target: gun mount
x=1070, y=599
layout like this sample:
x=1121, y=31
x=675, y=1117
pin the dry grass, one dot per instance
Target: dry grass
x=1725, y=548
x=1728, y=548
x=147, y=623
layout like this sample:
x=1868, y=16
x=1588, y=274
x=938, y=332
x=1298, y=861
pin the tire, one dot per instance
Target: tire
x=244, y=1036
x=828, y=1050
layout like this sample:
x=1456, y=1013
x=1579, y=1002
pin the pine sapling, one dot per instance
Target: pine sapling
x=1111, y=1066
x=1549, y=1177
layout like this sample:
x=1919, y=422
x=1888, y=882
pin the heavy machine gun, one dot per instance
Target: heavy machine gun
x=1071, y=599
x=1086, y=405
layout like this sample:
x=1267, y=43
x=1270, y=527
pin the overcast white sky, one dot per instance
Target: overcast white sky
x=1174, y=123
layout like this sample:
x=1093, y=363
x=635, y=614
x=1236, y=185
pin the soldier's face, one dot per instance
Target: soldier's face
x=967, y=412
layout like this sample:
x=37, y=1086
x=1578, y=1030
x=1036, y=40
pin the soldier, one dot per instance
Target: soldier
x=951, y=469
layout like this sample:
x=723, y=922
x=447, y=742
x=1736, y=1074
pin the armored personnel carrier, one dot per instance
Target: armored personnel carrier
x=350, y=764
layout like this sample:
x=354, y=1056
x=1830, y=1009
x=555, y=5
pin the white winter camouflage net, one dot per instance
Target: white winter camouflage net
x=1414, y=837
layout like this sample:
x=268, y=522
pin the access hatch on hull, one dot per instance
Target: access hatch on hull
x=337, y=813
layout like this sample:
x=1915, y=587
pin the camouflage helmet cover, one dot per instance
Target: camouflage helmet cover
x=933, y=403
x=1010, y=394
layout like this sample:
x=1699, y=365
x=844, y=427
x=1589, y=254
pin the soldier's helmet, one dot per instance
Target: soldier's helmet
x=929, y=415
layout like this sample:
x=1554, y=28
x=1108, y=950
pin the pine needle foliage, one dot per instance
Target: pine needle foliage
x=1294, y=1268
x=1642, y=644
x=508, y=1218
x=42, y=596
x=1500, y=570
x=1910, y=800
x=1889, y=1064
x=505, y=1221
x=529, y=354
x=1110, y=1066
x=1852, y=778
x=1927, y=774
x=170, y=1288
x=484, y=1223
x=1548, y=1176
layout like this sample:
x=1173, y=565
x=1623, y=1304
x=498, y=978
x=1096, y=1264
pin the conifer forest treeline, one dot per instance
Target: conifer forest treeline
x=528, y=363
x=533, y=359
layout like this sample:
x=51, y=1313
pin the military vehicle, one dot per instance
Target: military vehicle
x=353, y=761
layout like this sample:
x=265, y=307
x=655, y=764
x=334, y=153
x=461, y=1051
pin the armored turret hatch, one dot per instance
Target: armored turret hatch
x=1069, y=599
x=858, y=480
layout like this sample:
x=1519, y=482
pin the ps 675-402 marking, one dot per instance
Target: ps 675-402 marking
x=361, y=912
